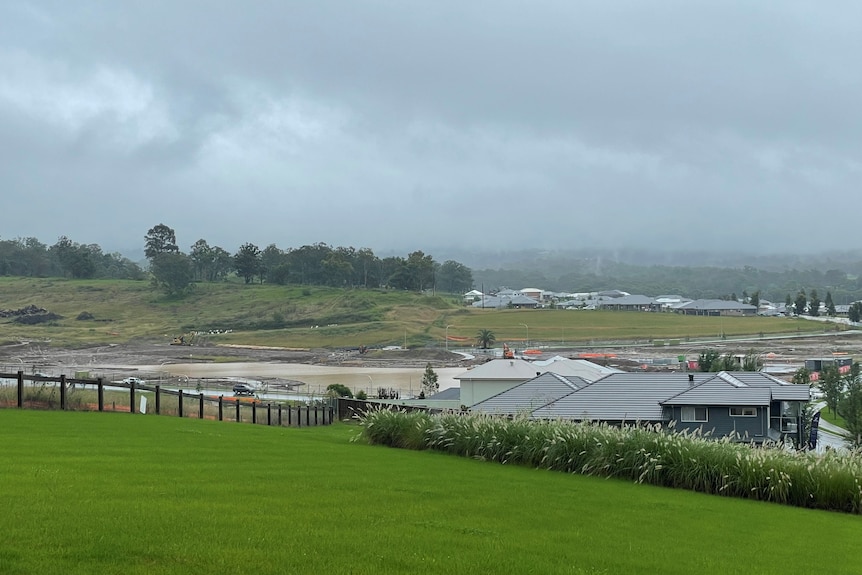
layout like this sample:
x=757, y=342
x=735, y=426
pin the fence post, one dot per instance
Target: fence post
x=20, y=389
x=180, y=403
x=289, y=412
x=254, y=412
x=221, y=408
x=279, y=415
x=158, y=399
x=315, y=415
x=62, y=392
x=308, y=415
x=331, y=412
x=237, y=410
x=132, y=397
x=269, y=414
x=201, y=407
x=299, y=416
x=101, y=393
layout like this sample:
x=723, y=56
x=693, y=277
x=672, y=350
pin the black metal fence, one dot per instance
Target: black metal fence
x=72, y=394
x=349, y=408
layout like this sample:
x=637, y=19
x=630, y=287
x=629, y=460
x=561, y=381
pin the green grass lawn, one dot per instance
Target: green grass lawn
x=567, y=326
x=115, y=493
x=833, y=418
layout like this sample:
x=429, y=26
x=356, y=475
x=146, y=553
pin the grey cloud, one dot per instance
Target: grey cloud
x=383, y=124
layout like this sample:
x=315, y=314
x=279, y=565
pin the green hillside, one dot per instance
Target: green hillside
x=309, y=317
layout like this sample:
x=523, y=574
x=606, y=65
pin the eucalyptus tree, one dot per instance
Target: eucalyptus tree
x=246, y=261
x=160, y=239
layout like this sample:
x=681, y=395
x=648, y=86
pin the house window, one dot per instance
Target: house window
x=695, y=414
x=743, y=412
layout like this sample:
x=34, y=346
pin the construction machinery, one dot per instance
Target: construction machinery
x=507, y=352
x=185, y=339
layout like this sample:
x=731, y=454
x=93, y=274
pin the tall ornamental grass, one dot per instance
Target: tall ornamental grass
x=641, y=453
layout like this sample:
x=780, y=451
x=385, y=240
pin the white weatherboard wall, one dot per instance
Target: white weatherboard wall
x=472, y=392
x=496, y=376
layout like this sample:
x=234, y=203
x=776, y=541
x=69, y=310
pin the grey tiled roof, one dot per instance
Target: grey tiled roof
x=621, y=397
x=641, y=396
x=716, y=304
x=628, y=300
x=721, y=391
x=447, y=394
x=780, y=389
x=531, y=394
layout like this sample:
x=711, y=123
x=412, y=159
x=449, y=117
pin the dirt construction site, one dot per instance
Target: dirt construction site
x=780, y=351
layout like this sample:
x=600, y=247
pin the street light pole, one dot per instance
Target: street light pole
x=447, y=337
x=527, y=344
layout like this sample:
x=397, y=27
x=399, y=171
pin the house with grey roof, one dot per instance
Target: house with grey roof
x=715, y=307
x=483, y=381
x=499, y=375
x=611, y=293
x=753, y=406
x=749, y=406
x=621, y=397
x=533, y=393
x=630, y=303
x=503, y=301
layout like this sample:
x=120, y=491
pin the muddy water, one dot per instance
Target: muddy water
x=317, y=377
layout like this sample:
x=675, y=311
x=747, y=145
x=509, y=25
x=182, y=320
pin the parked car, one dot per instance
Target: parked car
x=243, y=389
x=135, y=380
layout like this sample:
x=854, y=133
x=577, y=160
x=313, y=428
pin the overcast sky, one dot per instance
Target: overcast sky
x=401, y=125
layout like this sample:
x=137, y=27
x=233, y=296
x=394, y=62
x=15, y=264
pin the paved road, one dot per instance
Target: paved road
x=829, y=434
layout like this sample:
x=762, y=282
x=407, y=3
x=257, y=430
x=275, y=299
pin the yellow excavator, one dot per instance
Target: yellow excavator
x=185, y=339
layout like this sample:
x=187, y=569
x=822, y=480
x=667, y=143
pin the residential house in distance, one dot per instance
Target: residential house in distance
x=483, y=381
x=473, y=295
x=749, y=406
x=499, y=375
x=504, y=301
x=715, y=307
x=531, y=394
x=533, y=293
x=670, y=301
x=630, y=303
x=612, y=293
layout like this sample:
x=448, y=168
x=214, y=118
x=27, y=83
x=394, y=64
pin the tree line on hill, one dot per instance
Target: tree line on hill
x=28, y=257
x=321, y=264
x=316, y=264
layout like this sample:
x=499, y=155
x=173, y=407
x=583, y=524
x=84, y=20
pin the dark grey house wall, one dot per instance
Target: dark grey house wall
x=722, y=424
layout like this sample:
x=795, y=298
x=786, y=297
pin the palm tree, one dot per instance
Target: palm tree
x=485, y=338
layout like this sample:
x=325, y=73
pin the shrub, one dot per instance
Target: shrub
x=641, y=453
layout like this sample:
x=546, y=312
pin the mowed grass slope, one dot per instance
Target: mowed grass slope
x=309, y=317
x=116, y=493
